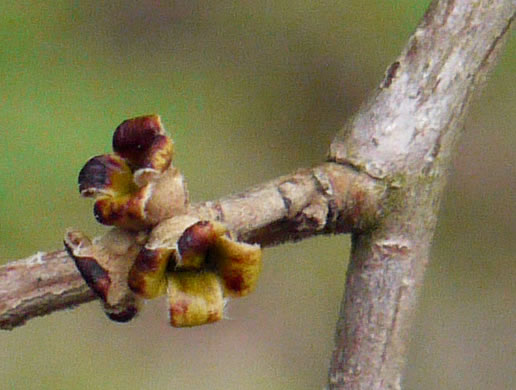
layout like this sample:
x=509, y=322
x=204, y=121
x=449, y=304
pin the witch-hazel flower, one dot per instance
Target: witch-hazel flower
x=137, y=186
x=198, y=266
x=156, y=246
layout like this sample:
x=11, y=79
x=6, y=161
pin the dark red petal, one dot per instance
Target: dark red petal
x=197, y=239
x=98, y=174
x=134, y=137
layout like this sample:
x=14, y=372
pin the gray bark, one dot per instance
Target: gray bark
x=404, y=136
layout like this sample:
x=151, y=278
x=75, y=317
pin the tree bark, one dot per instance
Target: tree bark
x=383, y=183
x=404, y=135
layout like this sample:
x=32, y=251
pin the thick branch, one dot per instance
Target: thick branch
x=405, y=135
x=330, y=198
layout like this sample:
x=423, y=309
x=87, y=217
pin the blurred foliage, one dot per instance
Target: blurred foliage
x=249, y=90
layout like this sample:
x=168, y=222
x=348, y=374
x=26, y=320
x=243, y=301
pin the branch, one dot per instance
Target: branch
x=327, y=199
x=383, y=184
x=405, y=134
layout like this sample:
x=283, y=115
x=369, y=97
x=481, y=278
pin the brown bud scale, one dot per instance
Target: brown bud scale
x=93, y=274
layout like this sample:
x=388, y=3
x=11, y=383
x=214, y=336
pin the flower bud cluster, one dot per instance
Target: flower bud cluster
x=156, y=247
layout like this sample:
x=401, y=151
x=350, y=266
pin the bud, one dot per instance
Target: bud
x=137, y=186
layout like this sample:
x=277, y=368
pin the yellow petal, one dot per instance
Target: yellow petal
x=194, y=298
x=238, y=264
x=147, y=275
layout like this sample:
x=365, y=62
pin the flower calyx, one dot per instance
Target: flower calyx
x=137, y=186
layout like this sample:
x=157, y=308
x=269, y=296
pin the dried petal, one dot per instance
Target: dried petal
x=194, y=298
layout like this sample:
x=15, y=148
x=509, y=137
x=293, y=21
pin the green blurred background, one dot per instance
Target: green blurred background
x=249, y=90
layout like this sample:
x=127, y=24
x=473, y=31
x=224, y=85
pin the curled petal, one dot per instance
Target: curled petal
x=194, y=243
x=106, y=175
x=147, y=276
x=198, y=253
x=238, y=264
x=136, y=187
x=194, y=298
x=119, y=200
x=142, y=141
x=125, y=211
x=136, y=208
